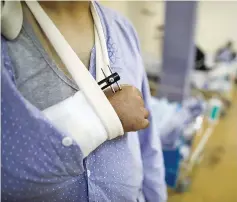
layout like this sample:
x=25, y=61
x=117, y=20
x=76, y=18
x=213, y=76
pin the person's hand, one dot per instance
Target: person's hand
x=129, y=106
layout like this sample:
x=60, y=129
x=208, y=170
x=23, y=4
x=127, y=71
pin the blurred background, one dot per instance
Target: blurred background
x=189, y=52
x=215, y=23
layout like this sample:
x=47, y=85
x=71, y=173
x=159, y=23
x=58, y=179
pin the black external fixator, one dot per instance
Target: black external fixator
x=110, y=80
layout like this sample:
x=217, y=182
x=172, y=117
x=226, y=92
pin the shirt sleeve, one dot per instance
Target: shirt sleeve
x=154, y=186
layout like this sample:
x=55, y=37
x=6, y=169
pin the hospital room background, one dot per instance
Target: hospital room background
x=198, y=130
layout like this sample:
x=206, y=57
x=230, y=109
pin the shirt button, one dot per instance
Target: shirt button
x=67, y=141
x=88, y=173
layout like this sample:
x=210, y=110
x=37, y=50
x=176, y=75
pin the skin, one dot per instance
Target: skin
x=75, y=22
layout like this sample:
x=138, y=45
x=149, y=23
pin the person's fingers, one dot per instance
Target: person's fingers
x=146, y=113
x=145, y=123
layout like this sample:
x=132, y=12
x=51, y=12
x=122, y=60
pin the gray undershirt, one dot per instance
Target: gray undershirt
x=37, y=76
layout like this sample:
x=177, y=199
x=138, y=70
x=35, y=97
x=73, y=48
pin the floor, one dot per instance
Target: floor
x=215, y=178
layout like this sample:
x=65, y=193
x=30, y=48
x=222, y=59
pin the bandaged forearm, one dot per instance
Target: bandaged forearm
x=76, y=119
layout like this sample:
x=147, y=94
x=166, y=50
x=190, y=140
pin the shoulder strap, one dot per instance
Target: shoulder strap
x=94, y=95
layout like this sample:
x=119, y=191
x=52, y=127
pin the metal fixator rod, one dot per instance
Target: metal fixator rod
x=109, y=81
x=118, y=85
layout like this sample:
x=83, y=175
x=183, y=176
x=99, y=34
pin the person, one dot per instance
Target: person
x=40, y=163
x=226, y=53
x=200, y=60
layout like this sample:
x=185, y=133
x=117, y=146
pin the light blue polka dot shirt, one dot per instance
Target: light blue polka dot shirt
x=37, y=167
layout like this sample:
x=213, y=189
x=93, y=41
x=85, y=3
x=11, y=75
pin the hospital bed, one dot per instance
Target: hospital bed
x=218, y=82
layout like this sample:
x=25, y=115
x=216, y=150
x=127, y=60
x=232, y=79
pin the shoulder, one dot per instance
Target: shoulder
x=123, y=46
x=120, y=23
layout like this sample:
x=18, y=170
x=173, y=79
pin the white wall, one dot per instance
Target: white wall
x=216, y=23
x=120, y=6
x=145, y=25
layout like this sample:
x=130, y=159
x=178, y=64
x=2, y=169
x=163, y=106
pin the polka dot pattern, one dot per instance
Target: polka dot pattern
x=35, y=160
x=33, y=156
x=38, y=167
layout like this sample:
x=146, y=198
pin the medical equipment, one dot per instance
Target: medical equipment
x=218, y=83
x=110, y=80
x=214, y=109
x=177, y=125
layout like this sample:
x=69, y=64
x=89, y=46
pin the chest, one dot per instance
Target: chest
x=42, y=78
x=79, y=35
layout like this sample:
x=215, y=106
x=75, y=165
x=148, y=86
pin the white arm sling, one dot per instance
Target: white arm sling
x=68, y=115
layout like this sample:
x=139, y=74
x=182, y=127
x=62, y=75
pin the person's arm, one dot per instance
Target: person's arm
x=154, y=186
